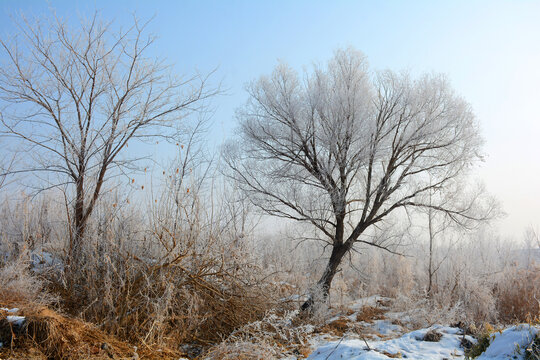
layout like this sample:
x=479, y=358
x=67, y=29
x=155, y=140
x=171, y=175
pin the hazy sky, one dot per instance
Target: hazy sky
x=490, y=51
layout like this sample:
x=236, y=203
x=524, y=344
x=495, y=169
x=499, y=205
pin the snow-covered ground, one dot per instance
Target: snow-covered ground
x=392, y=337
x=510, y=343
x=411, y=345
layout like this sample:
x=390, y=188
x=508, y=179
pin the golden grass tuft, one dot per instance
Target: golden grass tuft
x=370, y=313
x=51, y=335
x=337, y=327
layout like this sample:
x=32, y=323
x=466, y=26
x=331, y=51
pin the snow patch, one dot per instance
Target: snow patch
x=410, y=345
x=510, y=343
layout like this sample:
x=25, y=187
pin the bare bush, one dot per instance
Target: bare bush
x=19, y=286
x=275, y=336
x=181, y=271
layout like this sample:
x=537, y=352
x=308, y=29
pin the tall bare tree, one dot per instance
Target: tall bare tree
x=342, y=148
x=75, y=97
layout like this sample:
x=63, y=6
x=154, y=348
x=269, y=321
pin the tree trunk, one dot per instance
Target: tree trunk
x=79, y=227
x=431, y=272
x=338, y=252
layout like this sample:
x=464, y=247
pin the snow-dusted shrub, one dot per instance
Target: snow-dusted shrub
x=181, y=270
x=276, y=336
x=19, y=286
x=168, y=286
x=242, y=350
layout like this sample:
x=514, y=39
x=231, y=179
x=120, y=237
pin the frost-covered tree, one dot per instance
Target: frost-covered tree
x=342, y=148
x=73, y=97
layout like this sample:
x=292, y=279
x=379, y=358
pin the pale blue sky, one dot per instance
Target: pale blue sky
x=490, y=51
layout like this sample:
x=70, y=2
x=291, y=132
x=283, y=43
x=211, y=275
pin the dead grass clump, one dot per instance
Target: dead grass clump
x=47, y=334
x=173, y=302
x=517, y=295
x=60, y=337
x=370, y=313
x=433, y=336
x=392, y=355
x=337, y=327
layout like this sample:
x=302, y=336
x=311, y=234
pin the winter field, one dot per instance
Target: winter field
x=340, y=211
x=368, y=330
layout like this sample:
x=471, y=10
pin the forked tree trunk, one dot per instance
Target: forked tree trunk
x=338, y=252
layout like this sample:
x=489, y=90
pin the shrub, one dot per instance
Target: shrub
x=18, y=285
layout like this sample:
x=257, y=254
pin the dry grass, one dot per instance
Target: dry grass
x=242, y=350
x=19, y=285
x=370, y=313
x=518, y=296
x=54, y=336
x=170, y=303
x=392, y=355
x=337, y=327
x=275, y=336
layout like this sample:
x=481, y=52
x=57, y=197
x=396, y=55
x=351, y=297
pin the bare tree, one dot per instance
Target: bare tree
x=444, y=228
x=75, y=97
x=437, y=226
x=342, y=148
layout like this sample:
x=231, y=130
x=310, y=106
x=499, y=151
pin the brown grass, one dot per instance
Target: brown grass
x=337, y=327
x=48, y=334
x=241, y=351
x=171, y=304
x=518, y=297
x=370, y=313
x=391, y=355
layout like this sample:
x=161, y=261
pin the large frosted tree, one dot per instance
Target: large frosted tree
x=342, y=147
